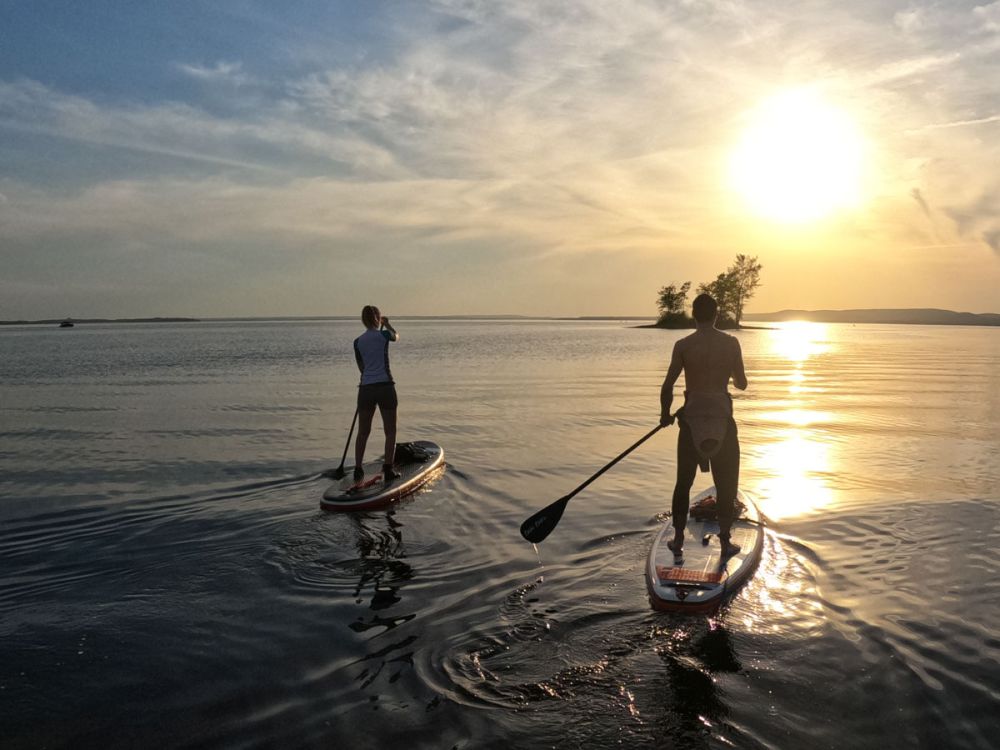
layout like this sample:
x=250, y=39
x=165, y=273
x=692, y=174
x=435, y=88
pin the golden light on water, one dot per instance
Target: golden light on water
x=799, y=158
x=796, y=457
x=795, y=467
x=798, y=340
x=798, y=417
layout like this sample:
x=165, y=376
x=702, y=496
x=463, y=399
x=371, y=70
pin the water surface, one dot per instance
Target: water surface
x=168, y=580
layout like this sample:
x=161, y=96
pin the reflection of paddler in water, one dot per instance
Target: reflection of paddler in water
x=371, y=350
x=691, y=697
x=708, y=436
x=381, y=560
x=382, y=563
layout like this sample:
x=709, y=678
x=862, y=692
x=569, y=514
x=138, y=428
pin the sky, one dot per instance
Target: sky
x=451, y=157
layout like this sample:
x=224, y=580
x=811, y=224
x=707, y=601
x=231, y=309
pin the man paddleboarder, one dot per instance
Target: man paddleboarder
x=708, y=437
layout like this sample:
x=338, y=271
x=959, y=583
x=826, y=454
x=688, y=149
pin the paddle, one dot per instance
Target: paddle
x=540, y=525
x=339, y=472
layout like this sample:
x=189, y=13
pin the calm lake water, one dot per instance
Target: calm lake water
x=168, y=580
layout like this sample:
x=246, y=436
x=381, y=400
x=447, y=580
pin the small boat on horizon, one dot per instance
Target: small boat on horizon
x=66, y=324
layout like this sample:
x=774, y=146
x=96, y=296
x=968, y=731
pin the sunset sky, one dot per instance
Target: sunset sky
x=465, y=157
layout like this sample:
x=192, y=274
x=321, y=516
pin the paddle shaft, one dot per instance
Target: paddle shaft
x=615, y=460
x=347, y=447
x=540, y=525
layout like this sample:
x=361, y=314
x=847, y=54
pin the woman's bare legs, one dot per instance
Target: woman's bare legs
x=364, y=430
x=389, y=426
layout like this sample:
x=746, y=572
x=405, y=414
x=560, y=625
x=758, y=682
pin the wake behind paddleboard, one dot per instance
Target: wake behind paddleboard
x=372, y=493
x=701, y=580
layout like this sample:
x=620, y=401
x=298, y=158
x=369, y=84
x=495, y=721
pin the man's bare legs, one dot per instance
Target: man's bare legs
x=726, y=475
x=687, y=469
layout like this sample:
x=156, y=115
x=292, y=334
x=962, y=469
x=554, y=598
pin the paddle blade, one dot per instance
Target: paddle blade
x=540, y=525
x=337, y=473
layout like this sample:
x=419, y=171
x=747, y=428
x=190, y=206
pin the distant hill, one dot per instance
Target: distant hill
x=911, y=316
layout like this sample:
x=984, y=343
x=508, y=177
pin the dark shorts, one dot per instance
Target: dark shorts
x=382, y=395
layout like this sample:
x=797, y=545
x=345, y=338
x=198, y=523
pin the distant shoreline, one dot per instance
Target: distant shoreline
x=58, y=321
x=880, y=316
x=884, y=316
x=279, y=318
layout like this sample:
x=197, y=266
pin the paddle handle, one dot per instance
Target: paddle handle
x=615, y=460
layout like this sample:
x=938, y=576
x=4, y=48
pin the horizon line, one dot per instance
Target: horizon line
x=488, y=316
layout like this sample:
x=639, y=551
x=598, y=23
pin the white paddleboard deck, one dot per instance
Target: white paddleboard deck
x=700, y=580
x=372, y=493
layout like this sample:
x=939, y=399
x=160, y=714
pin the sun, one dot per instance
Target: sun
x=799, y=158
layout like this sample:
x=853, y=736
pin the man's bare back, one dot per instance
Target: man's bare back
x=708, y=358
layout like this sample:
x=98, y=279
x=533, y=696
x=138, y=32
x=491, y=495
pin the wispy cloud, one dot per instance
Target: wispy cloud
x=921, y=202
x=228, y=72
x=989, y=16
x=992, y=239
x=275, y=142
x=956, y=124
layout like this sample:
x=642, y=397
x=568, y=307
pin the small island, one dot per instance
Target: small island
x=738, y=283
x=730, y=289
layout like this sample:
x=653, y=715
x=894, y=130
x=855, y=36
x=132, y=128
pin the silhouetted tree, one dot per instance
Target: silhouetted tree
x=746, y=278
x=731, y=290
x=723, y=289
x=673, y=301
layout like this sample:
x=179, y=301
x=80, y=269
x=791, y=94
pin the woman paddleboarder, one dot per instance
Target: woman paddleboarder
x=371, y=350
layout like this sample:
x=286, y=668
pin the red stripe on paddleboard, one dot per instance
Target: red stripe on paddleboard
x=362, y=485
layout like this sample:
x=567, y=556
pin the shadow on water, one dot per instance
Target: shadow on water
x=689, y=701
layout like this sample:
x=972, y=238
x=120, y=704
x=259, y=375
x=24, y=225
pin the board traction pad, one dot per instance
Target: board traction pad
x=686, y=575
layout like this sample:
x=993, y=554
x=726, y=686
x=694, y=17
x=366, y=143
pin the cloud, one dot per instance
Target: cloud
x=911, y=20
x=227, y=72
x=921, y=202
x=978, y=216
x=992, y=238
x=957, y=123
x=276, y=142
x=895, y=71
x=989, y=15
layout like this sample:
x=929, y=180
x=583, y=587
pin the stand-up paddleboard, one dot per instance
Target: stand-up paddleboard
x=423, y=459
x=700, y=580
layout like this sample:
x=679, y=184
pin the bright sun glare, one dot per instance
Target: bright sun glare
x=799, y=158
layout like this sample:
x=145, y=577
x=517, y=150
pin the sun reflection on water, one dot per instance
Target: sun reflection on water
x=797, y=417
x=795, y=458
x=795, y=468
x=799, y=340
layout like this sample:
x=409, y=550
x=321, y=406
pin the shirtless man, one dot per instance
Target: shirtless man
x=708, y=436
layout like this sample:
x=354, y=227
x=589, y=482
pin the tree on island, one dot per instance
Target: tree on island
x=745, y=275
x=731, y=290
x=672, y=303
